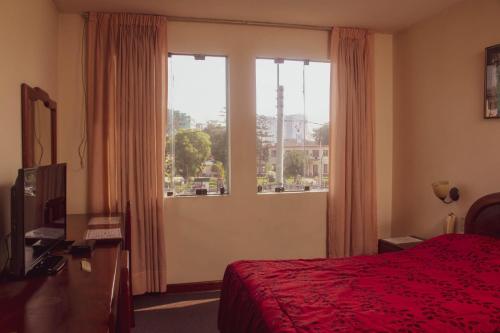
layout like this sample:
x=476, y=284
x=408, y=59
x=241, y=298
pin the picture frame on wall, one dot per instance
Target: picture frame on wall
x=492, y=83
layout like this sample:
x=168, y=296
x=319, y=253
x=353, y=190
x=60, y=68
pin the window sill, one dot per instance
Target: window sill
x=214, y=195
x=292, y=192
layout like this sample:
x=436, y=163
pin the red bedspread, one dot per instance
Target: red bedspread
x=448, y=284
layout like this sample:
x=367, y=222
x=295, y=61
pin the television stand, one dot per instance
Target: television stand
x=49, y=265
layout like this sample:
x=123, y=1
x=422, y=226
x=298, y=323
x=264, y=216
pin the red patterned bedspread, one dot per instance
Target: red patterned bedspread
x=447, y=284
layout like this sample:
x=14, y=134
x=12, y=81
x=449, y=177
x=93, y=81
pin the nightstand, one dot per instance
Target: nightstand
x=395, y=244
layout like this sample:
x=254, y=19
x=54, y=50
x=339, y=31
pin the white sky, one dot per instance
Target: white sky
x=317, y=88
x=198, y=88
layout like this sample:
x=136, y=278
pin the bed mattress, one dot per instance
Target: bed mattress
x=447, y=284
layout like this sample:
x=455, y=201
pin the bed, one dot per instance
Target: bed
x=450, y=283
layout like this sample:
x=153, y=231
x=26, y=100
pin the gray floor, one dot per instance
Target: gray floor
x=178, y=313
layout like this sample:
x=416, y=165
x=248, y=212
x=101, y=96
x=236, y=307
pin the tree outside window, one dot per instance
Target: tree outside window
x=197, y=136
x=292, y=124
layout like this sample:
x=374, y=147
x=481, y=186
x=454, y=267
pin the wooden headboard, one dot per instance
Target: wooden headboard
x=483, y=217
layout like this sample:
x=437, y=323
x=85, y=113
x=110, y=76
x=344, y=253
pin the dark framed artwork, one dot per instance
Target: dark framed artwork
x=492, y=83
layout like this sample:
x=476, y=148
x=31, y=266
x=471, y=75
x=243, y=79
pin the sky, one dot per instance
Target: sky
x=292, y=76
x=198, y=87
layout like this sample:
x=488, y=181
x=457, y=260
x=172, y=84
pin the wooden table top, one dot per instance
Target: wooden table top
x=72, y=300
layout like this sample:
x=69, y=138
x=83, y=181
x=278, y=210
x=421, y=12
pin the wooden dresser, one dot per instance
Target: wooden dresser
x=71, y=301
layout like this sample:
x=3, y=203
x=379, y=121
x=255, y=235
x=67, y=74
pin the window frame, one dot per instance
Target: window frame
x=282, y=60
x=228, y=128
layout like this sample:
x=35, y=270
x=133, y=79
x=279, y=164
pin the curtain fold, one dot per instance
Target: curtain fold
x=126, y=110
x=352, y=212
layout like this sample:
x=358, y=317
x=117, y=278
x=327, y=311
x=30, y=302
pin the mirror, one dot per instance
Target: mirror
x=39, y=114
x=42, y=135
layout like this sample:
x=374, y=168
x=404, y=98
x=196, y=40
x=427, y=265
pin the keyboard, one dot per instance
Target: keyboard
x=103, y=234
x=48, y=265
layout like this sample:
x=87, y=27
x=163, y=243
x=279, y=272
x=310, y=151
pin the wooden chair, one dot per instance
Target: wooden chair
x=128, y=247
x=54, y=212
x=124, y=303
x=126, y=306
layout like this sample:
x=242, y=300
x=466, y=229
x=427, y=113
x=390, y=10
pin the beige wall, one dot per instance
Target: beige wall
x=205, y=234
x=384, y=90
x=28, y=35
x=440, y=132
x=71, y=103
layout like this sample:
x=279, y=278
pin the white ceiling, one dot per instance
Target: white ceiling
x=379, y=15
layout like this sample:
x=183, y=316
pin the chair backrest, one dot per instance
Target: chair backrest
x=124, y=305
x=128, y=248
x=128, y=228
x=54, y=210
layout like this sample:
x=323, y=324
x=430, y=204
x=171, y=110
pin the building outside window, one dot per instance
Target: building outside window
x=197, y=133
x=292, y=124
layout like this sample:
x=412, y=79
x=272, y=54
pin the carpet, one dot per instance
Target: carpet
x=177, y=313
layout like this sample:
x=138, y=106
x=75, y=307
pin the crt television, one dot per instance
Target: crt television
x=38, y=215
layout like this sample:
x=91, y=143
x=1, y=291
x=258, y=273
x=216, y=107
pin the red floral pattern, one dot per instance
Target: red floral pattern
x=448, y=284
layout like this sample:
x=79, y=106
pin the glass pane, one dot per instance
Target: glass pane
x=298, y=159
x=197, y=145
x=42, y=134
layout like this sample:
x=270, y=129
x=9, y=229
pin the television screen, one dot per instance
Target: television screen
x=39, y=214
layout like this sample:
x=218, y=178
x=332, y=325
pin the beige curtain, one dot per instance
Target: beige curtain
x=126, y=95
x=352, y=218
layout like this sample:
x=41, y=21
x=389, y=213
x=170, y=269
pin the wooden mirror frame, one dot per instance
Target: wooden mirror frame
x=29, y=96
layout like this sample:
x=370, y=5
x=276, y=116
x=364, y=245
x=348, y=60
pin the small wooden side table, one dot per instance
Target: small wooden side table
x=398, y=243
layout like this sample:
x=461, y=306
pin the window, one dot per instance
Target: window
x=293, y=103
x=197, y=136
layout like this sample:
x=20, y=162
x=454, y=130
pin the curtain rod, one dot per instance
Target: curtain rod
x=241, y=22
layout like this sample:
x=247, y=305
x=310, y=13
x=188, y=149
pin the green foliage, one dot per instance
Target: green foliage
x=321, y=135
x=192, y=148
x=167, y=166
x=293, y=163
x=218, y=168
x=218, y=137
